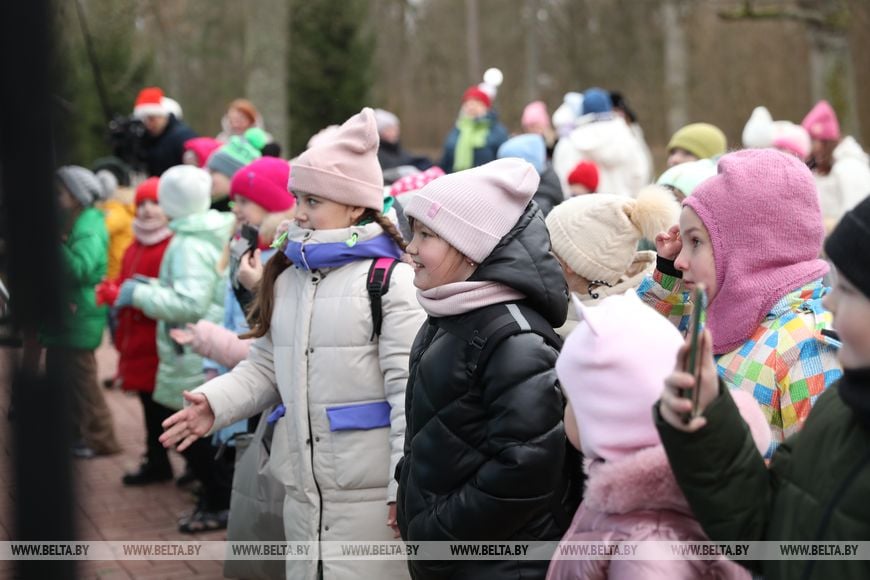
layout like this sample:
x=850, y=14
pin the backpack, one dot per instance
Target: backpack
x=378, y=284
x=492, y=325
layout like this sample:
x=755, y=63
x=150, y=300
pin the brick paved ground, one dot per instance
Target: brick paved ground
x=106, y=510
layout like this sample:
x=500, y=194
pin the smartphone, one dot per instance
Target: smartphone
x=693, y=360
x=251, y=235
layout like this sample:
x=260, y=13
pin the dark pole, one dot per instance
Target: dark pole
x=43, y=481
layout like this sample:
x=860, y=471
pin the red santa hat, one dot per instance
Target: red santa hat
x=150, y=102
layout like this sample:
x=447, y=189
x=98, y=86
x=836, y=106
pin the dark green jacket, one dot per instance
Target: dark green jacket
x=816, y=489
x=84, y=258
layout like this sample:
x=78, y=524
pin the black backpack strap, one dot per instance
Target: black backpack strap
x=378, y=284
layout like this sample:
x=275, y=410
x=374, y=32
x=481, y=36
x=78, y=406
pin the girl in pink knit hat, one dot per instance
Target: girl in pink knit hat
x=485, y=446
x=318, y=350
x=612, y=368
x=839, y=164
x=752, y=234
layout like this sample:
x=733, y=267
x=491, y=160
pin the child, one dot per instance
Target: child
x=696, y=141
x=531, y=147
x=583, y=179
x=477, y=135
x=612, y=369
x=817, y=485
x=137, y=334
x=187, y=289
x=595, y=239
x=318, y=352
x=71, y=342
x=752, y=234
x=684, y=178
x=223, y=163
x=485, y=446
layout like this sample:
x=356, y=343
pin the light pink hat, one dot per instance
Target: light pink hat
x=344, y=168
x=535, y=113
x=613, y=368
x=473, y=210
x=792, y=139
x=821, y=122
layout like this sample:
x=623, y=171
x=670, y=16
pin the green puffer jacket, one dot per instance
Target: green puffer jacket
x=84, y=258
x=188, y=289
x=816, y=488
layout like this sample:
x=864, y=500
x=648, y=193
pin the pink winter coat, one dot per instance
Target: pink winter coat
x=637, y=499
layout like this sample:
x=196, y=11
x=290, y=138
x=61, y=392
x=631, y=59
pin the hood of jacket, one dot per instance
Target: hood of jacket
x=212, y=226
x=608, y=142
x=523, y=261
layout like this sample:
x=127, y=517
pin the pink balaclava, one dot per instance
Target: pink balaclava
x=762, y=214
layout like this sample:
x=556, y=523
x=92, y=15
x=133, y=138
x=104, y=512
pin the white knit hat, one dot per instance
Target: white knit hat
x=596, y=235
x=473, y=210
x=184, y=190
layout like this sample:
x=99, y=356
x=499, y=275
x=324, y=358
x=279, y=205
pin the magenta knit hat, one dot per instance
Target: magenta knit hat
x=473, y=210
x=613, y=368
x=762, y=213
x=264, y=182
x=344, y=168
x=821, y=122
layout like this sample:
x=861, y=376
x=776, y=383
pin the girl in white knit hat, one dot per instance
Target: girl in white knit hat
x=484, y=446
x=595, y=238
x=320, y=352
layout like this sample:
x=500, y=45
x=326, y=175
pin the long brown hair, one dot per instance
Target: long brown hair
x=260, y=312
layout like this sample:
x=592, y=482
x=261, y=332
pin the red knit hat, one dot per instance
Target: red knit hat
x=585, y=174
x=147, y=190
x=476, y=93
x=264, y=182
x=149, y=102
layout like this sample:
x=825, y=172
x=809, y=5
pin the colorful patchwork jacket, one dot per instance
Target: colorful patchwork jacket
x=786, y=363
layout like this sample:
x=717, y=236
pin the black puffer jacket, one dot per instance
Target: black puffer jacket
x=482, y=461
x=167, y=149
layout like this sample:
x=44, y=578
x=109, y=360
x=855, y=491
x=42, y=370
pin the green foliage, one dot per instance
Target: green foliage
x=331, y=54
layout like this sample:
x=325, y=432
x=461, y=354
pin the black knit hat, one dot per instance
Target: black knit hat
x=848, y=246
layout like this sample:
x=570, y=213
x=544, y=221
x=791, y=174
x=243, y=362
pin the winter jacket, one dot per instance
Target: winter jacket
x=815, y=489
x=392, y=155
x=136, y=337
x=83, y=259
x=320, y=360
x=189, y=288
x=498, y=134
x=119, y=224
x=623, y=167
x=643, y=265
x=166, y=150
x=549, y=193
x=483, y=459
x=848, y=182
x=786, y=363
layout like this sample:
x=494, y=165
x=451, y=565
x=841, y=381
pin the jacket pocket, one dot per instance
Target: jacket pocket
x=360, y=430
x=284, y=462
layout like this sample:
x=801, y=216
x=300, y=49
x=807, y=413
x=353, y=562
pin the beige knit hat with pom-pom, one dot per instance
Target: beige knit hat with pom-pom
x=597, y=235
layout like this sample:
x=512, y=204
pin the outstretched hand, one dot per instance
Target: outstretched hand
x=673, y=405
x=183, y=428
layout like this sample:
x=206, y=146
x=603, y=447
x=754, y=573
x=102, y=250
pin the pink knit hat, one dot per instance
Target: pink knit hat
x=535, y=114
x=201, y=148
x=474, y=209
x=762, y=213
x=264, y=182
x=821, y=122
x=344, y=168
x=613, y=368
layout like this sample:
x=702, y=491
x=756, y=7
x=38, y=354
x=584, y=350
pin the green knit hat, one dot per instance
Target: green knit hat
x=237, y=153
x=702, y=140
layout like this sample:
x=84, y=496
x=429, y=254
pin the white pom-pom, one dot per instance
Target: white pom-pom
x=493, y=77
x=655, y=210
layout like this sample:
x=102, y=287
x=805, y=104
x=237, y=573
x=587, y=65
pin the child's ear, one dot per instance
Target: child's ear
x=356, y=213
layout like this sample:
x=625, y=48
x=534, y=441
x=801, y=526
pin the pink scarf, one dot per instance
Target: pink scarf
x=151, y=231
x=462, y=297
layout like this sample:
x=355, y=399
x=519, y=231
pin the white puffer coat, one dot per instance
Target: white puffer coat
x=847, y=184
x=318, y=356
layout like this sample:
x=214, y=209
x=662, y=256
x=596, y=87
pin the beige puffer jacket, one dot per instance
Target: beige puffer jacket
x=319, y=355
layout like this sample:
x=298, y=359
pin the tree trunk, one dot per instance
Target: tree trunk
x=676, y=66
x=472, y=23
x=266, y=50
x=832, y=76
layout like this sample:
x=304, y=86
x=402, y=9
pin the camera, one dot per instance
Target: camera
x=126, y=137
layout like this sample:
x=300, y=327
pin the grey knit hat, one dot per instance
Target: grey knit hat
x=81, y=183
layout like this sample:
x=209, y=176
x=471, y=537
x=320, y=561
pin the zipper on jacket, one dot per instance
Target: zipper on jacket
x=315, y=280
x=829, y=511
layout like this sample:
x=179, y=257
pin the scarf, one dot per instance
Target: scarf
x=473, y=134
x=854, y=389
x=151, y=231
x=462, y=297
x=314, y=256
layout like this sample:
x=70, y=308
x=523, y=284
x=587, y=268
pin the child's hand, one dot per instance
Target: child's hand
x=673, y=406
x=182, y=336
x=669, y=243
x=392, y=519
x=251, y=269
x=189, y=424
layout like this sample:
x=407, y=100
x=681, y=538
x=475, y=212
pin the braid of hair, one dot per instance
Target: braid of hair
x=390, y=228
